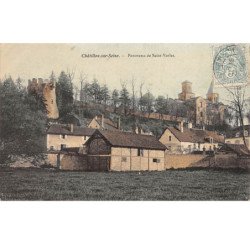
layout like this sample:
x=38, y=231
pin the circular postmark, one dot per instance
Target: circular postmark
x=229, y=65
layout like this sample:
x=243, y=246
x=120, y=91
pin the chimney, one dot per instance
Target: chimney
x=181, y=126
x=119, y=123
x=71, y=128
x=190, y=125
x=136, y=130
x=102, y=121
x=139, y=130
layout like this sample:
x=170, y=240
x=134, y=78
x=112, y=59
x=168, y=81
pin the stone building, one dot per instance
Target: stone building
x=197, y=111
x=202, y=111
x=186, y=93
x=124, y=151
x=61, y=137
x=45, y=88
x=100, y=122
x=64, y=136
x=188, y=140
x=215, y=109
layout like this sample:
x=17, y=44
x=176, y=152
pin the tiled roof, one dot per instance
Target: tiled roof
x=131, y=140
x=108, y=124
x=195, y=135
x=60, y=129
x=211, y=88
x=85, y=122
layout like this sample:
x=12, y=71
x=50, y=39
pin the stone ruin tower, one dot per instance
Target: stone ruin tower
x=47, y=89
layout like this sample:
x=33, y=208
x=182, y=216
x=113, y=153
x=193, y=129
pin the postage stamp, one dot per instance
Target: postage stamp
x=229, y=65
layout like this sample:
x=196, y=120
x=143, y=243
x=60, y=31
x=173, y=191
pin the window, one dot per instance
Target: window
x=201, y=104
x=63, y=136
x=170, y=138
x=245, y=133
x=51, y=148
x=201, y=114
x=63, y=146
x=84, y=137
x=139, y=152
x=52, y=101
x=124, y=159
x=156, y=160
x=237, y=134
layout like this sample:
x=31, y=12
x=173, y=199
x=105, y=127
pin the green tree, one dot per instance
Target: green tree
x=115, y=99
x=85, y=94
x=238, y=104
x=125, y=99
x=104, y=94
x=248, y=109
x=147, y=102
x=95, y=90
x=161, y=105
x=64, y=94
x=22, y=121
x=19, y=82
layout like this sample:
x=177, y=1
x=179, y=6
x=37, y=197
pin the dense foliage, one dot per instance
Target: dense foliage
x=64, y=94
x=22, y=120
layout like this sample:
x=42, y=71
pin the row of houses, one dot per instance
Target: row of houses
x=108, y=148
x=184, y=140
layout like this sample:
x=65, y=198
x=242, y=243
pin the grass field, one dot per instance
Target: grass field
x=192, y=184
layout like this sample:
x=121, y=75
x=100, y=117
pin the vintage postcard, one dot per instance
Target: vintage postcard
x=124, y=121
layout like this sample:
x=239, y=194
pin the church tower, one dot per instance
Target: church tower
x=211, y=95
x=186, y=93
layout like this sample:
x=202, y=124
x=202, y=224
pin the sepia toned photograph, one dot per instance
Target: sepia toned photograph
x=124, y=121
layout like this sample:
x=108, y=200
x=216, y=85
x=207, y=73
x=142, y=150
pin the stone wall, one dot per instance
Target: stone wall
x=74, y=162
x=185, y=161
x=229, y=160
x=244, y=162
x=82, y=162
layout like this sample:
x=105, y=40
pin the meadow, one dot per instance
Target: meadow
x=189, y=184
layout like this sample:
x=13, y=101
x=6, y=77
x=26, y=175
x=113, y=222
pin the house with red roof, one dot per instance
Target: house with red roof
x=188, y=140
